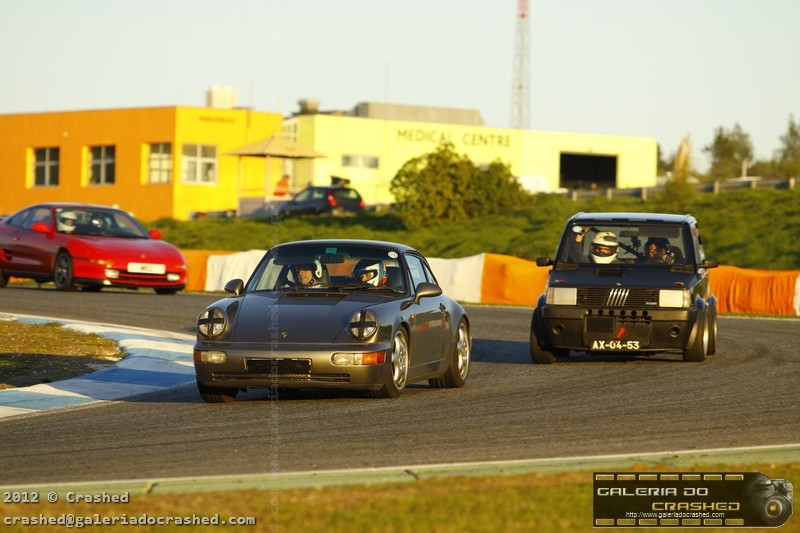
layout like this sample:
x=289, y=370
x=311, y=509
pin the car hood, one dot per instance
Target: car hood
x=295, y=317
x=126, y=250
x=623, y=276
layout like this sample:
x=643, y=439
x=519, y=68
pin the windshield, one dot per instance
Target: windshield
x=326, y=266
x=102, y=222
x=615, y=243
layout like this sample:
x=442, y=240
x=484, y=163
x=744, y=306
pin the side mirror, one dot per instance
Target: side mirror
x=155, y=234
x=543, y=261
x=424, y=290
x=710, y=262
x=235, y=287
x=41, y=227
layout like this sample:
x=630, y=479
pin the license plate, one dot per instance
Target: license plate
x=616, y=345
x=278, y=366
x=147, y=268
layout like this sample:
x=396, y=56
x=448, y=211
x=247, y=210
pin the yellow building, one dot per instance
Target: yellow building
x=153, y=162
x=176, y=162
x=369, y=144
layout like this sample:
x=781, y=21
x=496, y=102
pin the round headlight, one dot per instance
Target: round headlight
x=363, y=325
x=211, y=322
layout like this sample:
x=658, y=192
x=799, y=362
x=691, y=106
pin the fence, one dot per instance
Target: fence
x=715, y=187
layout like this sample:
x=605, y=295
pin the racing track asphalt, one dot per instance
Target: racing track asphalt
x=161, y=360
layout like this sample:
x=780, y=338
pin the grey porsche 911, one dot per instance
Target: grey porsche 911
x=343, y=314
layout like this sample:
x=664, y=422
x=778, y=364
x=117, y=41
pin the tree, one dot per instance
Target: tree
x=678, y=191
x=663, y=165
x=788, y=156
x=445, y=186
x=731, y=153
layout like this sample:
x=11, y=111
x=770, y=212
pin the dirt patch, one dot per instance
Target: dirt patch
x=42, y=353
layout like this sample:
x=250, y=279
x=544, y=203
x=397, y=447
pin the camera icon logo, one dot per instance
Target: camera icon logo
x=770, y=500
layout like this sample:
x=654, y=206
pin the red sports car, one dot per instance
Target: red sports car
x=92, y=246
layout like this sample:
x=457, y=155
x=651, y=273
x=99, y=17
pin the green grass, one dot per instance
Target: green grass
x=749, y=228
x=530, y=502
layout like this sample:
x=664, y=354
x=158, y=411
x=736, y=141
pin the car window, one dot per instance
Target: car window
x=346, y=194
x=99, y=222
x=618, y=243
x=418, y=270
x=341, y=267
x=37, y=214
x=303, y=195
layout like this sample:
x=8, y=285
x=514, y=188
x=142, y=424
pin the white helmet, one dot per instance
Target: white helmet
x=604, y=248
x=61, y=221
x=370, y=271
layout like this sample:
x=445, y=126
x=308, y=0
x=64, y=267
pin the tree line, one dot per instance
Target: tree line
x=731, y=153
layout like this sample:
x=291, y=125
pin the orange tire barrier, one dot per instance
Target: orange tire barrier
x=741, y=290
x=197, y=267
x=508, y=280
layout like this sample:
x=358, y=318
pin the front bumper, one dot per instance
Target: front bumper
x=89, y=273
x=612, y=330
x=291, y=366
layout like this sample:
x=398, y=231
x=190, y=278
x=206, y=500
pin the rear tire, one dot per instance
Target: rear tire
x=398, y=368
x=63, y=272
x=696, y=353
x=458, y=369
x=217, y=395
x=712, y=331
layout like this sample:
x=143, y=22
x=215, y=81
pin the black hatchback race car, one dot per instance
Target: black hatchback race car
x=626, y=283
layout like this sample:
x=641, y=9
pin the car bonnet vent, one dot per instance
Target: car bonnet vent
x=610, y=272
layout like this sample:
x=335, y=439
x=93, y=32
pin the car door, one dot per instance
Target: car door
x=428, y=321
x=25, y=250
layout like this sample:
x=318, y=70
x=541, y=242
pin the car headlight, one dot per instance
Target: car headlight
x=363, y=325
x=358, y=359
x=674, y=298
x=209, y=356
x=562, y=296
x=212, y=322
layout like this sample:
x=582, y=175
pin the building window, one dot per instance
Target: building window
x=362, y=161
x=160, y=163
x=45, y=167
x=102, y=166
x=199, y=164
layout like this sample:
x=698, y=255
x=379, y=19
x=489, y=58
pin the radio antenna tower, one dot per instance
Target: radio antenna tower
x=520, y=99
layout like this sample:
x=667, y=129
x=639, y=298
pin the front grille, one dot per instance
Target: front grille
x=262, y=377
x=617, y=297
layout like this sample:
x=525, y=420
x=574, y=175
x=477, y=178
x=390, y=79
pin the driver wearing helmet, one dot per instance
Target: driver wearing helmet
x=604, y=248
x=65, y=221
x=370, y=271
x=308, y=274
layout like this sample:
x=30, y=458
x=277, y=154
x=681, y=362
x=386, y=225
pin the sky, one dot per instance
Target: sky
x=643, y=68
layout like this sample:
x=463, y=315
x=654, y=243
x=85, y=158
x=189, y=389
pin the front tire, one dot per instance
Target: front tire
x=539, y=355
x=458, y=369
x=696, y=353
x=63, y=273
x=398, y=375
x=216, y=395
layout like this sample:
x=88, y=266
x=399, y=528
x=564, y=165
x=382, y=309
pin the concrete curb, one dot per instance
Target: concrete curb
x=156, y=360
x=674, y=460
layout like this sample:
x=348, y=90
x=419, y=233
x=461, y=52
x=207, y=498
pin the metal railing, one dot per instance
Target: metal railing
x=714, y=187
